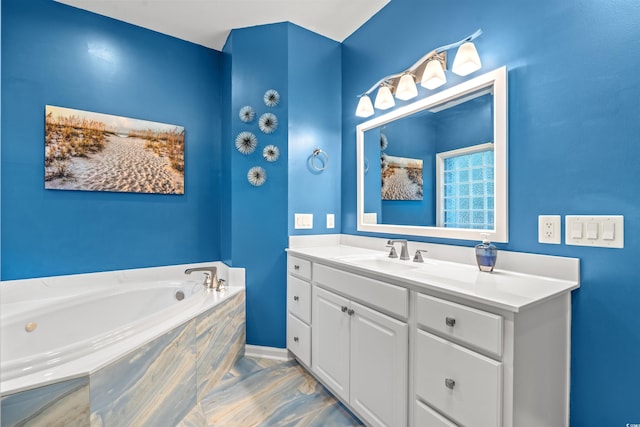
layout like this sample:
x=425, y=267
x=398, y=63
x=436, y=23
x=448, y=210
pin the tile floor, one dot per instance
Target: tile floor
x=261, y=392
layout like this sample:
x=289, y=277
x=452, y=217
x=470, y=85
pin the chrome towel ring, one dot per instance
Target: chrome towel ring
x=319, y=160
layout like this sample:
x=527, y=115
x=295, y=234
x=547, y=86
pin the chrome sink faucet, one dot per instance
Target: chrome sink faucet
x=404, y=251
x=211, y=280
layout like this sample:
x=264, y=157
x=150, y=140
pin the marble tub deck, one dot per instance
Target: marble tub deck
x=261, y=392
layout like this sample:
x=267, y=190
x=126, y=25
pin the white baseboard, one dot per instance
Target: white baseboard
x=267, y=352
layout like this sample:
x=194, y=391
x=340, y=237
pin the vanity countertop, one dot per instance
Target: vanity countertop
x=507, y=290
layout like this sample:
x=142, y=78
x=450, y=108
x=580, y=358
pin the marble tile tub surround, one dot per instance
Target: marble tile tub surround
x=62, y=404
x=159, y=384
x=520, y=279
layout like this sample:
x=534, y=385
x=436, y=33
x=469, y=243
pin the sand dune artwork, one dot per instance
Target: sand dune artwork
x=401, y=178
x=101, y=152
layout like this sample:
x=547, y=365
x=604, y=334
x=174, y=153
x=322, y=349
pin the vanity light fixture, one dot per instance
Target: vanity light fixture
x=406, y=87
x=431, y=67
x=384, y=98
x=434, y=76
x=467, y=60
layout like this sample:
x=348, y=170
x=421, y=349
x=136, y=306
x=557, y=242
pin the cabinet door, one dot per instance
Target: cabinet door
x=330, y=340
x=379, y=363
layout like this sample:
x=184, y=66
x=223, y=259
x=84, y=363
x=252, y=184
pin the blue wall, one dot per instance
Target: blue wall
x=573, y=135
x=47, y=54
x=256, y=231
x=258, y=220
x=315, y=112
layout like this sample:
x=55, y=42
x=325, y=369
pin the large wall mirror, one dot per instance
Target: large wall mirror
x=438, y=167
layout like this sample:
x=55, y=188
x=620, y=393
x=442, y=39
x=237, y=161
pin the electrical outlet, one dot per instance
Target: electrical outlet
x=549, y=229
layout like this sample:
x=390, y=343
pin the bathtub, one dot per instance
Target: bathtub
x=61, y=328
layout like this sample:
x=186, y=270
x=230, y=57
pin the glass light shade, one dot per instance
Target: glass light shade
x=384, y=99
x=365, y=107
x=467, y=60
x=406, y=88
x=433, y=75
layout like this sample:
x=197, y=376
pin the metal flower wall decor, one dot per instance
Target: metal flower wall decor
x=271, y=98
x=271, y=153
x=247, y=114
x=257, y=176
x=246, y=142
x=268, y=123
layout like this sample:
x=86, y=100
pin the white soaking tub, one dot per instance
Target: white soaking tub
x=65, y=327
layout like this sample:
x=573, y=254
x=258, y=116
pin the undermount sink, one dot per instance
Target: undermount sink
x=383, y=263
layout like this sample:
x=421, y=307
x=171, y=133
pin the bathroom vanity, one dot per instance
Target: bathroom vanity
x=435, y=343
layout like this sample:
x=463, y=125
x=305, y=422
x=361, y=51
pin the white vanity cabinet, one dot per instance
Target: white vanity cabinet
x=360, y=353
x=488, y=350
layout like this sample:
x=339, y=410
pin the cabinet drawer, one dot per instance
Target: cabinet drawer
x=427, y=417
x=384, y=296
x=462, y=384
x=466, y=324
x=299, y=267
x=299, y=339
x=299, y=298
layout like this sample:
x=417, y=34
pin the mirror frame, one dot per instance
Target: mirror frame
x=495, y=81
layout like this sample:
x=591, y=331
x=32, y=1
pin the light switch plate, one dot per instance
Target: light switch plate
x=331, y=221
x=303, y=221
x=597, y=230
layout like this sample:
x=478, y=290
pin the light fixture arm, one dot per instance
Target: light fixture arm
x=432, y=54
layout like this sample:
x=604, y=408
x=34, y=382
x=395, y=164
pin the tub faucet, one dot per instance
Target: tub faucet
x=404, y=252
x=210, y=281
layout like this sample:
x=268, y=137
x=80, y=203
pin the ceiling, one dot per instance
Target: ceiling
x=208, y=22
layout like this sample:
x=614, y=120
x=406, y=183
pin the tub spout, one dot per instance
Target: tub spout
x=210, y=273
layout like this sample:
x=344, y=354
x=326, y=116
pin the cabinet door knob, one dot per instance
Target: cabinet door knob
x=344, y=309
x=295, y=339
x=350, y=312
x=450, y=321
x=296, y=298
x=449, y=383
x=296, y=267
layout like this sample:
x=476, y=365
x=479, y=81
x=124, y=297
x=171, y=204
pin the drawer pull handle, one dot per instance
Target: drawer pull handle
x=350, y=312
x=295, y=339
x=450, y=321
x=344, y=309
x=296, y=267
x=449, y=383
x=296, y=298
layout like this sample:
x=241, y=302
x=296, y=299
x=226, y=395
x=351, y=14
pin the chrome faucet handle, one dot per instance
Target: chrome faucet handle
x=418, y=256
x=404, y=251
x=220, y=285
x=392, y=253
x=207, y=279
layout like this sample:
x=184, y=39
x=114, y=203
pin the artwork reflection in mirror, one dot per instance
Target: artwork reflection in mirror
x=445, y=174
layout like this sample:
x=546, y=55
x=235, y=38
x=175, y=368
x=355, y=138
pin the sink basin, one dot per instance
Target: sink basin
x=381, y=263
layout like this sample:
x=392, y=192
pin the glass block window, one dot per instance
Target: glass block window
x=465, y=188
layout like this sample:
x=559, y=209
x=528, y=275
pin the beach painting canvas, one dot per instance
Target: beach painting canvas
x=101, y=152
x=401, y=178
